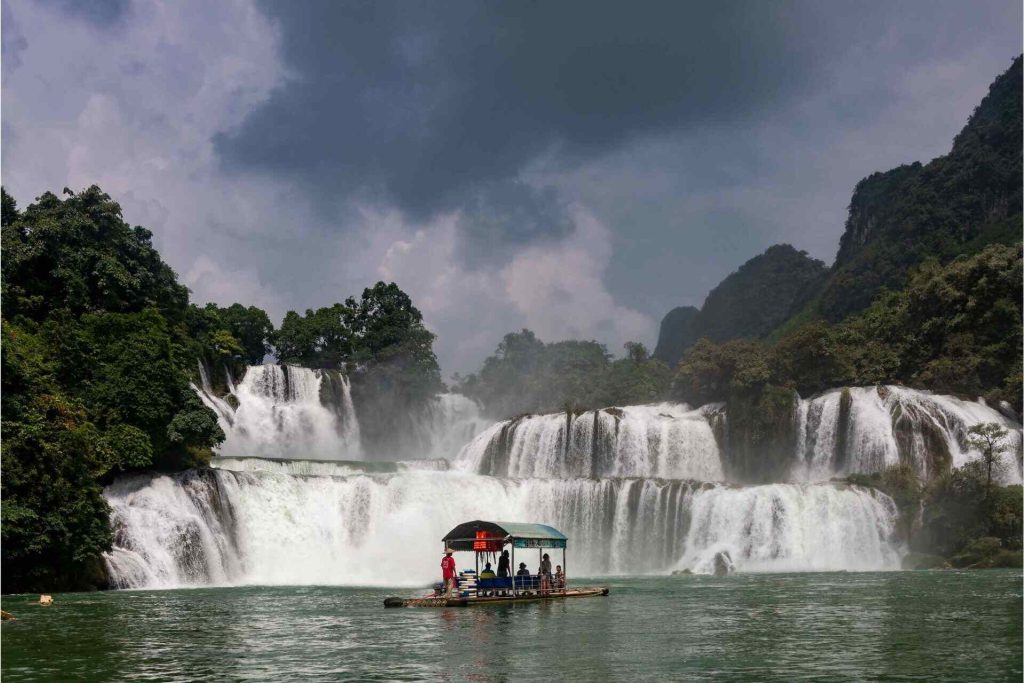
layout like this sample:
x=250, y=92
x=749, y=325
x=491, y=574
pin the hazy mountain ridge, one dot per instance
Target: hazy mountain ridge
x=954, y=205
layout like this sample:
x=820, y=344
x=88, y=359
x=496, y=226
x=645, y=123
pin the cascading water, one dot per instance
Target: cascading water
x=865, y=429
x=840, y=432
x=447, y=423
x=221, y=526
x=664, y=440
x=637, y=489
x=285, y=411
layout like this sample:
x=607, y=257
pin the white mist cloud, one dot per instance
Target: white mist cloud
x=555, y=289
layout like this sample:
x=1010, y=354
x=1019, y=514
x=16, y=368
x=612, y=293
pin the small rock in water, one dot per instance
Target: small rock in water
x=6, y=616
x=45, y=600
x=723, y=563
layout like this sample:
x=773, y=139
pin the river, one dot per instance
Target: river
x=936, y=626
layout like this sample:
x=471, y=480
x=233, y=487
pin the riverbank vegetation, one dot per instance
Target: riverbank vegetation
x=961, y=518
x=96, y=351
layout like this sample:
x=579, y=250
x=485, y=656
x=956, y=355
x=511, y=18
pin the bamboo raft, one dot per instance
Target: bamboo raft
x=442, y=601
x=487, y=539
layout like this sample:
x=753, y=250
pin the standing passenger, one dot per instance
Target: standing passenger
x=448, y=571
x=503, y=568
x=545, y=574
x=503, y=565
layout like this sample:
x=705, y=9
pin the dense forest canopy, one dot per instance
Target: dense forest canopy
x=96, y=347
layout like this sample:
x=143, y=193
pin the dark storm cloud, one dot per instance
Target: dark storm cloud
x=426, y=105
x=102, y=13
x=13, y=41
x=499, y=215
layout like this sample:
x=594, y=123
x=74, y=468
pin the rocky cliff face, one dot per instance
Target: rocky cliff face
x=675, y=334
x=953, y=205
x=956, y=204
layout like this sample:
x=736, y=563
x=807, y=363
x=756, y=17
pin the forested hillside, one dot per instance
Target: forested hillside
x=761, y=295
x=926, y=282
x=96, y=358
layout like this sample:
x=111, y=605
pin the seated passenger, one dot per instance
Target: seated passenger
x=487, y=573
x=523, y=577
x=559, y=580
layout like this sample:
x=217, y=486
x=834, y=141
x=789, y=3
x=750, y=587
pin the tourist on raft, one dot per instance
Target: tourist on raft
x=504, y=568
x=559, y=580
x=544, y=574
x=448, y=571
x=488, y=573
x=523, y=577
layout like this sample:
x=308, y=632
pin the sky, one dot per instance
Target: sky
x=574, y=167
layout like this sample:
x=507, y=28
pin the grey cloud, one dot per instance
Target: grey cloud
x=101, y=13
x=420, y=103
x=13, y=41
x=498, y=216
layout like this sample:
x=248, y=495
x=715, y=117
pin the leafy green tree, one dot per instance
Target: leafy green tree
x=252, y=328
x=390, y=338
x=322, y=338
x=989, y=440
x=80, y=256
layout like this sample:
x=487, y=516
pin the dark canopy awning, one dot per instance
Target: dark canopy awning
x=520, y=534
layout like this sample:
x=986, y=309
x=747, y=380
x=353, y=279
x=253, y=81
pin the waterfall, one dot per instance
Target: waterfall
x=664, y=440
x=225, y=413
x=638, y=489
x=448, y=422
x=285, y=411
x=865, y=429
x=839, y=432
x=785, y=527
x=205, y=527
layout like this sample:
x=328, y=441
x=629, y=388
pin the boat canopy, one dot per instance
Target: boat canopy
x=473, y=535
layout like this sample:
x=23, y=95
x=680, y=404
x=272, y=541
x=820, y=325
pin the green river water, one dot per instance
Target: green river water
x=897, y=626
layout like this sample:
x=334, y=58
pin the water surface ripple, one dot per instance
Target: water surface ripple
x=895, y=626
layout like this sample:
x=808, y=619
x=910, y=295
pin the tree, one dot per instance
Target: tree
x=636, y=352
x=322, y=338
x=987, y=438
x=252, y=328
x=80, y=256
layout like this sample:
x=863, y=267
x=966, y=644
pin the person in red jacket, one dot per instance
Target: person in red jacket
x=448, y=571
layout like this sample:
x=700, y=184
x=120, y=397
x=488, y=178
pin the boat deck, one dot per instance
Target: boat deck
x=457, y=601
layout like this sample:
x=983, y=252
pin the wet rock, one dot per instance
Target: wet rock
x=723, y=563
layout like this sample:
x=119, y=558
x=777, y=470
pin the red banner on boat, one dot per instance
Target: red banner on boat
x=486, y=543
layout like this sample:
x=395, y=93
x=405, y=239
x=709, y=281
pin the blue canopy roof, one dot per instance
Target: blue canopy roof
x=522, y=534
